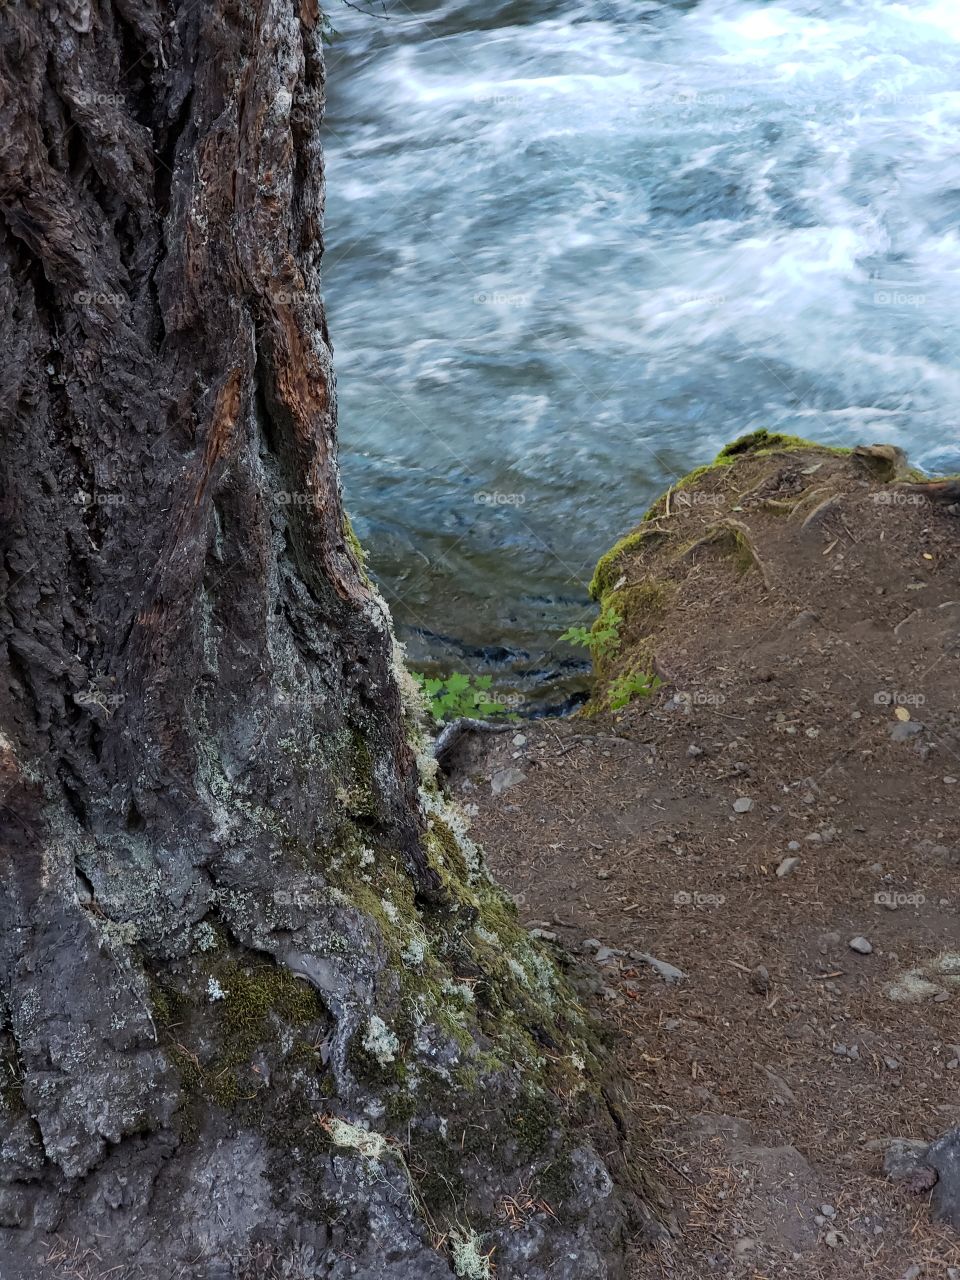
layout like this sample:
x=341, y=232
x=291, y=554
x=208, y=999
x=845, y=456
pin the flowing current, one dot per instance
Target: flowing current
x=572, y=249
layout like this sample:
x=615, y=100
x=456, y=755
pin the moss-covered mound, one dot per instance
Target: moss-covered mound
x=721, y=530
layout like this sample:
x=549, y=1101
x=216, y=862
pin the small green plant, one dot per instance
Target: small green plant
x=625, y=688
x=603, y=638
x=451, y=697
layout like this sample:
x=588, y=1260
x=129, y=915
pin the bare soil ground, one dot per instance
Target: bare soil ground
x=809, y=648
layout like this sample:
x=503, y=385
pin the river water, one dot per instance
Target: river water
x=572, y=249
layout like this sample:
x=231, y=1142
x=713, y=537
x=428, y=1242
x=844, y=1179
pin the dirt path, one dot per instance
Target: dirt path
x=792, y=787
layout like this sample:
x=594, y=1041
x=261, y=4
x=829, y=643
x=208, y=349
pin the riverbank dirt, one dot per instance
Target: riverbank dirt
x=780, y=820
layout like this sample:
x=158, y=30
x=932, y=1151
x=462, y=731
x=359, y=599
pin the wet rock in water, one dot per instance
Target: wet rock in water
x=860, y=945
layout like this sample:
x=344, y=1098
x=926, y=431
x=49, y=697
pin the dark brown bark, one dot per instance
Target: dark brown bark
x=200, y=714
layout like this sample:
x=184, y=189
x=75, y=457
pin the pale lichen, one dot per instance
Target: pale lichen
x=380, y=1042
x=468, y=1262
x=372, y=1146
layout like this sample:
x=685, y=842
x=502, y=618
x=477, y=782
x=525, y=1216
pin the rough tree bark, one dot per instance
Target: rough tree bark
x=261, y=1012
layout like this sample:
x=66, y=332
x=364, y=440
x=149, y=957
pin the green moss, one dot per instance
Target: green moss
x=642, y=599
x=606, y=572
x=259, y=1004
x=401, y=1107
x=763, y=441
x=449, y=848
x=756, y=444
x=11, y=1083
x=356, y=547
x=434, y=1166
x=533, y=1119
x=356, y=793
x=556, y=1182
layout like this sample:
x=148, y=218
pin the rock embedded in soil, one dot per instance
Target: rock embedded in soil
x=906, y=1161
x=860, y=945
x=944, y=1157
x=904, y=730
x=742, y=805
x=503, y=779
x=668, y=972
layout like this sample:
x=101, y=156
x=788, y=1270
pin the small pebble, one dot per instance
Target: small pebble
x=786, y=866
x=743, y=804
x=860, y=945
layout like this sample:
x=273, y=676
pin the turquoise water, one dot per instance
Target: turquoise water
x=572, y=249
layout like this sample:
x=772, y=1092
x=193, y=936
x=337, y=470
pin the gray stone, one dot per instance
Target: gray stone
x=904, y=730
x=743, y=804
x=944, y=1156
x=860, y=945
x=668, y=972
x=906, y=1161
x=545, y=935
x=503, y=779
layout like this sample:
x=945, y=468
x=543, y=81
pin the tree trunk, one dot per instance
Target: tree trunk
x=262, y=1011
